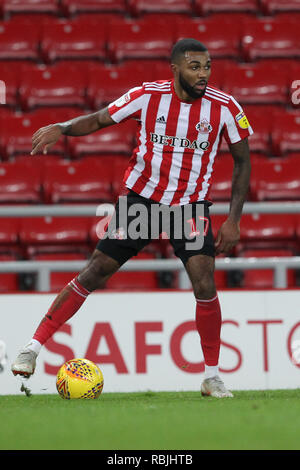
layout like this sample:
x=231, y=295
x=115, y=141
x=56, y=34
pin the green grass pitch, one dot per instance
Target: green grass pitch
x=260, y=420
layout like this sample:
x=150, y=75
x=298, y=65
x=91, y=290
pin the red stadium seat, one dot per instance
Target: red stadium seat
x=18, y=41
x=111, y=140
x=97, y=228
x=9, y=235
x=17, y=130
x=58, y=280
x=264, y=278
x=221, y=178
x=297, y=217
x=260, y=119
x=267, y=231
x=87, y=180
x=270, y=7
x=259, y=83
x=270, y=38
x=10, y=77
x=204, y=7
x=286, y=132
x=140, y=7
x=72, y=7
x=54, y=235
x=107, y=83
x=220, y=36
x=73, y=40
x=9, y=282
x=120, y=165
x=130, y=40
x=147, y=280
x=275, y=179
x=219, y=70
x=294, y=84
x=20, y=182
x=29, y=6
x=62, y=84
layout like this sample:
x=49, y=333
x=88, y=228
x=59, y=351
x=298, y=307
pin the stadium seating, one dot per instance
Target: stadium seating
x=260, y=119
x=73, y=40
x=121, y=78
x=140, y=7
x=286, y=132
x=220, y=36
x=39, y=235
x=129, y=39
x=294, y=84
x=58, y=280
x=62, y=84
x=72, y=64
x=270, y=38
x=11, y=79
x=204, y=7
x=120, y=164
x=18, y=43
x=267, y=231
x=269, y=7
x=264, y=278
x=73, y=7
x=134, y=280
x=275, y=179
x=9, y=236
x=88, y=180
x=20, y=182
x=115, y=139
x=259, y=83
x=29, y=6
x=17, y=130
x=9, y=282
x=221, y=182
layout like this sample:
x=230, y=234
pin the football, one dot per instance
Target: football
x=79, y=378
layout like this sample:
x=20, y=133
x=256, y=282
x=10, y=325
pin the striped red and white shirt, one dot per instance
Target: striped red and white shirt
x=177, y=141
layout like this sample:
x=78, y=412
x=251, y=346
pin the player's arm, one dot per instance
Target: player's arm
x=47, y=136
x=229, y=233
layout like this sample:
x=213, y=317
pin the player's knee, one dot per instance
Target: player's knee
x=204, y=288
x=98, y=270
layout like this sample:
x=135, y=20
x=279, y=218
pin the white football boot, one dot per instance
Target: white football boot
x=214, y=387
x=25, y=363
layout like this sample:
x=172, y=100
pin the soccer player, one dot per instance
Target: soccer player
x=181, y=122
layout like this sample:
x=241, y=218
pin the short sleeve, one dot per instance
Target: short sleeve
x=237, y=126
x=128, y=105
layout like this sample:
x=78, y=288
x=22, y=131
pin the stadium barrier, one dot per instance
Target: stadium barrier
x=280, y=265
x=148, y=340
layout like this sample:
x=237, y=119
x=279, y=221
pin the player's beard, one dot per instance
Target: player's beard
x=189, y=89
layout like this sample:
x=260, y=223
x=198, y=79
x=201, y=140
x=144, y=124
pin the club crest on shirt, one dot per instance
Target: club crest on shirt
x=204, y=126
x=242, y=120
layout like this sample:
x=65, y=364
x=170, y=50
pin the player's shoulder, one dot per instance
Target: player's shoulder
x=218, y=96
x=158, y=86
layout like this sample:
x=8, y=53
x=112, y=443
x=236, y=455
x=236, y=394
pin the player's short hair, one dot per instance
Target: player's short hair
x=184, y=45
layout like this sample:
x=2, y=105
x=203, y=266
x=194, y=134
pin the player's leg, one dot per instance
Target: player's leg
x=110, y=254
x=198, y=257
x=200, y=269
x=98, y=270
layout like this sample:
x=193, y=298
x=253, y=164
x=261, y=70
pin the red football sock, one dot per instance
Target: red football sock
x=208, y=322
x=65, y=305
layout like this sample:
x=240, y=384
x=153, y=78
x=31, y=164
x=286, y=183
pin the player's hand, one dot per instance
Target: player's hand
x=228, y=236
x=45, y=138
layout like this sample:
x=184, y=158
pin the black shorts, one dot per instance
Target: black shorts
x=121, y=242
